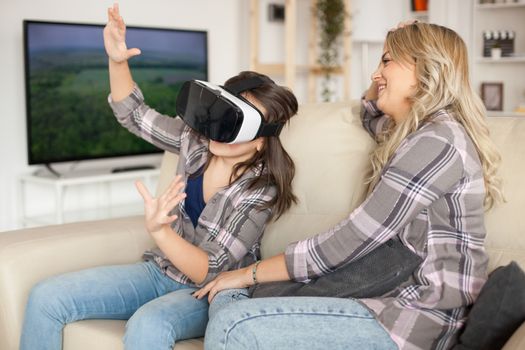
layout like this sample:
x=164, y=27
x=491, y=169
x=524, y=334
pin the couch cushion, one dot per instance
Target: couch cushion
x=107, y=335
x=506, y=223
x=331, y=152
x=30, y=255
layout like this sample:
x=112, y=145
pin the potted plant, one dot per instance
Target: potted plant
x=331, y=17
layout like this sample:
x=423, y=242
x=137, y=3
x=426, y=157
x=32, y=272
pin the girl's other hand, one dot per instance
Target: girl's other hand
x=115, y=37
x=157, y=210
x=241, y=278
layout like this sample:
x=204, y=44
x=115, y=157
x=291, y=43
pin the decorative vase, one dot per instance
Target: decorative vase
x=495, y=53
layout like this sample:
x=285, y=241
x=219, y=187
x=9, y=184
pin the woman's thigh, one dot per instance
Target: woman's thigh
x=113, y=292
x=296, y=323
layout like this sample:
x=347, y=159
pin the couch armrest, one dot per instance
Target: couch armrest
x=30, y=255
x=517, y=341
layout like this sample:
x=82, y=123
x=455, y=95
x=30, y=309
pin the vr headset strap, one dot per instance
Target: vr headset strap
x=270, y=129
x=266, y=129
x=243, y=85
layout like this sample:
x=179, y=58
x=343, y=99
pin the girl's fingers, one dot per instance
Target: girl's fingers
x=143, y=191
x=168, y=219
x=171, y=203
x=171, y=186
x=174, y=188
x=133, y=52
x=204, y=290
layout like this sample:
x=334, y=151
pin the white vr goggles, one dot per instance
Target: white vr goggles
x=221, y=113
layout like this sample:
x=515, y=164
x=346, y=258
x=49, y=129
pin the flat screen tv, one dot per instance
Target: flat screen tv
x=67, y=85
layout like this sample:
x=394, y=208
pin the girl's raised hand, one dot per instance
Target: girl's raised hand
x=157, y=210
x=115, y=37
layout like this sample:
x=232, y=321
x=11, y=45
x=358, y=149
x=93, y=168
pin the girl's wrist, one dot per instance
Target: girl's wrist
x=117, y=63
x=159, y=233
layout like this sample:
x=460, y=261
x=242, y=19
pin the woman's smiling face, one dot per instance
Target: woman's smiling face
x=396, y=84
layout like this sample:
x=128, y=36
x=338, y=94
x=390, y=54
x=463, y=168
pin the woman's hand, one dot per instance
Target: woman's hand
x=157, y=209
x=115, y=37
x=371, y=93
x=241, y=278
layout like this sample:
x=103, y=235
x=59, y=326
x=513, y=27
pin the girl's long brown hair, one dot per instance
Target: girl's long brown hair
x=278, y=168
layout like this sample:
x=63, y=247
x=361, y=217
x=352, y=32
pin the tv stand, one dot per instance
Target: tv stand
x=58, y=186
x=132, y=168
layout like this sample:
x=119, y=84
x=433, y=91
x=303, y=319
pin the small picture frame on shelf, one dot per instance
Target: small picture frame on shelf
x=492, y=96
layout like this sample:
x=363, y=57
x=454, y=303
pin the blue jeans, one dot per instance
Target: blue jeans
x=292, y=323
x=159, y=310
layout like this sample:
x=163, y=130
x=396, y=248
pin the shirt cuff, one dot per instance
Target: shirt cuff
x=130, y=103
x=296, y=264
x=371, y=107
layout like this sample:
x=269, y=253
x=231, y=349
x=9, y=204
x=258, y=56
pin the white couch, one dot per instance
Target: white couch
x=330, y=150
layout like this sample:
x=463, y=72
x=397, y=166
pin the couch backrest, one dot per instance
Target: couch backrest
x=506, y=223
x=331, y=150
x=331, y=154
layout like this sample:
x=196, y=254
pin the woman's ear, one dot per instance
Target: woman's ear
x=259, y=143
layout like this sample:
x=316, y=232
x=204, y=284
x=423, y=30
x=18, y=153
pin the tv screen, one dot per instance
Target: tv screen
x=67, y=85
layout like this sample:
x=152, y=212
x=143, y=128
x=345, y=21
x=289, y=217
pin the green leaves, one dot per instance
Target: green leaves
x=331, y=17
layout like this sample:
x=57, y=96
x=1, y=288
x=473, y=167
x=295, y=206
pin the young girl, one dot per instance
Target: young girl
x=232, y=191
x=433, y=177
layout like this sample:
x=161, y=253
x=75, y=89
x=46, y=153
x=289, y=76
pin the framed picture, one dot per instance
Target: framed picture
x=492, y=96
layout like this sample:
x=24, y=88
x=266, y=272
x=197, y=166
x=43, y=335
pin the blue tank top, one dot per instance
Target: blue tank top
x=194, y=203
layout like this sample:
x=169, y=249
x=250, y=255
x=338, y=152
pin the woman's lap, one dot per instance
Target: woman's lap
x=293, y=322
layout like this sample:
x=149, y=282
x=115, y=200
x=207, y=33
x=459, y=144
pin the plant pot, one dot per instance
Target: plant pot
x=495, y=53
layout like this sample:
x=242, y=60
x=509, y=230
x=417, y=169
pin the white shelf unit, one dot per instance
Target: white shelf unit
x=520, y=59
x=60, y=185
x=508, y=70
x=503, y=5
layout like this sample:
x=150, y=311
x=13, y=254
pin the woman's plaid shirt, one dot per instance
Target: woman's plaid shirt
x=430, y=196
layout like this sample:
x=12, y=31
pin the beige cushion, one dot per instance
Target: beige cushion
x=331, y=151
x=107, y=334
x=28, y=256
x=506, y=223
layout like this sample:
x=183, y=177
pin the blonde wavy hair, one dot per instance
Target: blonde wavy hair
x=441, y=68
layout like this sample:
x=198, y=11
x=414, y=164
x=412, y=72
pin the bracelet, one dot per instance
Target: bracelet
x=254, y=272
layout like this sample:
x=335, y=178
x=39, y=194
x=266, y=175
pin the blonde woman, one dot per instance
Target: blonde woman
x=433, y=178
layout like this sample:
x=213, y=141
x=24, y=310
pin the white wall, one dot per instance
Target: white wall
x=223, y=44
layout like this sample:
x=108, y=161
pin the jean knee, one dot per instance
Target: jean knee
x=46, y=298
x=149, y=328
x=225, y=333
x=226, y=297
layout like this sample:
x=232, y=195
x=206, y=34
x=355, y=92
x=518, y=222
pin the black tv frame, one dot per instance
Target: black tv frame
x=26, y=23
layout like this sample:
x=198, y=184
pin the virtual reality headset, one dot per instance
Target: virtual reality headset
x=221, y=113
